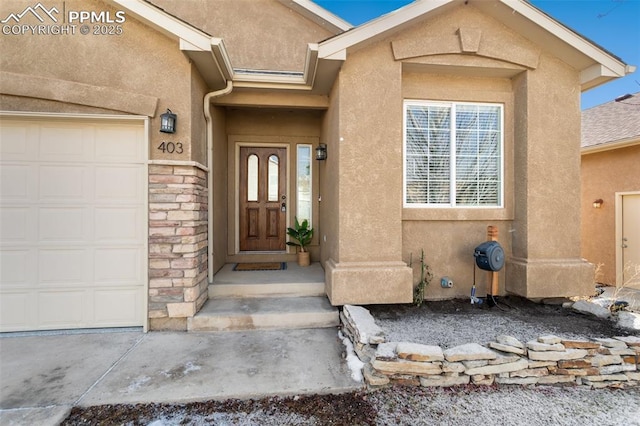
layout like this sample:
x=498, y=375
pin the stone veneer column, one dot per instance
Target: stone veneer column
x=177, y=244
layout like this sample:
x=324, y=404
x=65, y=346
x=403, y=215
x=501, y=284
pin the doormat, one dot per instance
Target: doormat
x=263, y=266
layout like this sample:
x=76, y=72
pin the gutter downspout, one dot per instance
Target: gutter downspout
x=207, y=116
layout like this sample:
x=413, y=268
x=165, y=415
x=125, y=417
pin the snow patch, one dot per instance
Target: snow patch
x=138, y=383
x=629, y=320
x=353, y=362
x=190, y=367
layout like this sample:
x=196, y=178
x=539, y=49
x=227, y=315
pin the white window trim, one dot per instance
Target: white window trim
x=452, y=204
x=311, y=157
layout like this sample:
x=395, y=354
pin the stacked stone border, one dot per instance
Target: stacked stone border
x=598, y=363
x=177, y=244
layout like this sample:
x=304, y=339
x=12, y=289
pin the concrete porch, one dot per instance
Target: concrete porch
x=293, y=298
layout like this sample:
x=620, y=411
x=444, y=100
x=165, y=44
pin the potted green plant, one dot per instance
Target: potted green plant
x=302, y=234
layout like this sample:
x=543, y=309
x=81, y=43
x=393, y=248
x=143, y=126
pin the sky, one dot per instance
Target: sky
x=611, y=24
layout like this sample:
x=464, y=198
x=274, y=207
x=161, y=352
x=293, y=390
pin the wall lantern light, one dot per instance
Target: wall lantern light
x=321, y=152
x=597, y=203
x=168, y=122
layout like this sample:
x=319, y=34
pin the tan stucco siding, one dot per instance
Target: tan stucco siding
x=330, y=180
x=552, y=147
x=198, y=123
x=540, y=216
x=368, y=266
x=546, y=230
x=273, y=122
x=371, y=156
x=139, y=61
x=604, y=174
x=520, y=131
x=259, y=34
x=449, y=235
x=448, y=248
x=220, y=189
x=545, y=128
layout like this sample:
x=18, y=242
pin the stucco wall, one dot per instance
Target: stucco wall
x=265, y=40
x=449, y=236
x=553, y=159
x=198, y=123
x=273, y=122
x=546, y=237
x=367, y=267
x=219, y=190
x=330, y=180
x=370, y=159
x=116, y=74
x=539, y=224
x=604, y=174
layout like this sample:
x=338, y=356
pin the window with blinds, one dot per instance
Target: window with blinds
x=453, y=154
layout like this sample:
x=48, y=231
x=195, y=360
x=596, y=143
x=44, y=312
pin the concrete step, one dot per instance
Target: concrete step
x=248, y=290
x=268, y=313
x=295, y=281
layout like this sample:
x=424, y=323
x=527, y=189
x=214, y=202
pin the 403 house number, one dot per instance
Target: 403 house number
x=171, y=147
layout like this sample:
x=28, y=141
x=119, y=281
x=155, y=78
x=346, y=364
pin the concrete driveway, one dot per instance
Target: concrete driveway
x=43, y=376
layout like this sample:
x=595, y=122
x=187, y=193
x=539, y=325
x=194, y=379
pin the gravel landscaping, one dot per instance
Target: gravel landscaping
x=455, y=322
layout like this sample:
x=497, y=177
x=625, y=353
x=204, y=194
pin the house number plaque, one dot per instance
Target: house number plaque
x=171, y=147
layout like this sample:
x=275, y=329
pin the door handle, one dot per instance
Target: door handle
x=283, y=207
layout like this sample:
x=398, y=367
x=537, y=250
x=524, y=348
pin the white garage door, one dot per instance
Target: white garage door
x=72, y=223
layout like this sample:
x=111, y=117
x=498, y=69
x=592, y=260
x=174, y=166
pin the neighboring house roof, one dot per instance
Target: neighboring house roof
x=611, y=125
x=323, y=61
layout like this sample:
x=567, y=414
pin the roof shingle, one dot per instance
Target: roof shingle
x=611, y=122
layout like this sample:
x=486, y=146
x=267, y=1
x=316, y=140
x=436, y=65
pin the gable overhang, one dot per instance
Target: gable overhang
x=337, y=47
x=211, y=58
x=595, y=65
x=207, y=53
x=319, y=15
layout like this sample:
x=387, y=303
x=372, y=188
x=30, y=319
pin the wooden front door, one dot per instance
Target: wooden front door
x=263, y=198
